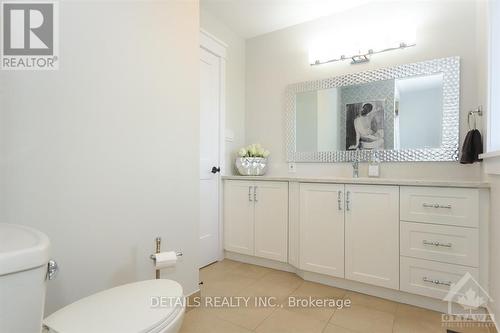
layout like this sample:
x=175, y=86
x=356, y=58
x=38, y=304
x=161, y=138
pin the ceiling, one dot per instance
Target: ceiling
x=250, y=18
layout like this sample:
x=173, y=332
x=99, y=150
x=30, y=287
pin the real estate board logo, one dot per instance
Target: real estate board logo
x=467, y=304
x=29, y=35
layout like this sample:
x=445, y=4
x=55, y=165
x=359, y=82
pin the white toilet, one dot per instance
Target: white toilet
x=152, y=306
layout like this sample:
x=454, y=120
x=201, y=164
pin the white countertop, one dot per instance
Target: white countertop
x=367, y=181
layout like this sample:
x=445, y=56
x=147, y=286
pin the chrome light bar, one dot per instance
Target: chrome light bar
x=362, y=58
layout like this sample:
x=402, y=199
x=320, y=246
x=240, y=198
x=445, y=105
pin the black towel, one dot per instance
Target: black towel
x=473, y=146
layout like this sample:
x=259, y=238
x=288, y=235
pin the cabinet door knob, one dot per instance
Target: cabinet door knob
x=215, y=170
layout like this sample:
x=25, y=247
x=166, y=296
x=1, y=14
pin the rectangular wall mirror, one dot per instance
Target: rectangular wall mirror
x=405, y=113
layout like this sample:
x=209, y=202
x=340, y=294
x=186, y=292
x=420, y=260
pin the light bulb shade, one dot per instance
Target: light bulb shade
x=340, y=46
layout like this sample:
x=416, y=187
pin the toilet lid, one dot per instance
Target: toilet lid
x=132, y=308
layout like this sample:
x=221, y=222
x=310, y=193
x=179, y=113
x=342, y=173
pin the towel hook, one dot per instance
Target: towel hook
x=469, y=122
x=478, y=111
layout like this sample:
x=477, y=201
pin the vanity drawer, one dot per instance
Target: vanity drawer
x=430, y=278
x=454, y=245
x=451, y=206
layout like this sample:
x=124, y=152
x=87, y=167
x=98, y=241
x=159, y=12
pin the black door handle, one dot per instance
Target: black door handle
x=215, y=169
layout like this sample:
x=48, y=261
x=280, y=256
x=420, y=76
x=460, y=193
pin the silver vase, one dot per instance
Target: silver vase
x=251, y=166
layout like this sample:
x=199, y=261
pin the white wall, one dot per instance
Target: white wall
x=102, y=155
x=235, y=83
x=494, y=180
x=494, y=233
x=280, y=58
x=494, y=138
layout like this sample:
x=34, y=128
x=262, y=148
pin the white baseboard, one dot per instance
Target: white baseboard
x=390, y=294
x=281, y=266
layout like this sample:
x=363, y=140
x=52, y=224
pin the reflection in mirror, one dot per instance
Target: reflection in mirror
x=318, y=120
x=418, y=114
x=392, y=114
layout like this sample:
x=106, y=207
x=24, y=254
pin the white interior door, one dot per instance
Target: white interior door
x=210, y=76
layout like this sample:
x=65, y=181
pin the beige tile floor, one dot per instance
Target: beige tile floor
x=367, y=314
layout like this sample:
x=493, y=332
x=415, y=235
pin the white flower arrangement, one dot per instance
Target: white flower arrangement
x=253, y=150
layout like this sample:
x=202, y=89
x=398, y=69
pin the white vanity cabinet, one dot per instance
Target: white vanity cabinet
x=388, y=238
x=372, y=234
x=440, y=238
x=440, y=205
x=256, y=218
x=355, y=227
x=321, y=229
x=239, y=213
x=271, y=220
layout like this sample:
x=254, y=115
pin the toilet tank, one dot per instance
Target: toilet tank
x=24, y=257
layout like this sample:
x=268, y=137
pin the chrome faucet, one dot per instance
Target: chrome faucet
x=355, y=167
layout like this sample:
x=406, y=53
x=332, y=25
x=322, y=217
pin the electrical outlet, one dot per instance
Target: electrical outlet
x=373, y=170
x=292, y=167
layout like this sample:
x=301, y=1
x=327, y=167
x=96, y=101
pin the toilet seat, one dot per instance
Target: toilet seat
x=131, y=308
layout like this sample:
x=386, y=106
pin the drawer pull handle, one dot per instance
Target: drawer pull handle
x=442, y=283
x=249, y=193
x=436, y=205
x=255, y=193
x=426, y=242
x=348, y=201
x=339, y=199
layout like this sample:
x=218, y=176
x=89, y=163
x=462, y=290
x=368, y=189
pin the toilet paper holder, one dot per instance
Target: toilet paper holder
x=158, y=250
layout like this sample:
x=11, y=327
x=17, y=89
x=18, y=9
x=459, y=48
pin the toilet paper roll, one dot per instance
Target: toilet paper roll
x=165, y=259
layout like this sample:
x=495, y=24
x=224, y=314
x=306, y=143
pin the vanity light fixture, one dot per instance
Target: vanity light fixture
x=362, y=57
x=327, y=50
